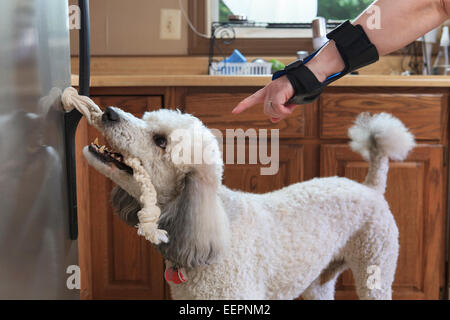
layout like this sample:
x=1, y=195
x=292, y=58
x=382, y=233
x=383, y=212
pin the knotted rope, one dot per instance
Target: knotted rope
x=149, y=214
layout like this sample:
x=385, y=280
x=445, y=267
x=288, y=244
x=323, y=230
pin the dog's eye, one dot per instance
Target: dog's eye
x=160, y=141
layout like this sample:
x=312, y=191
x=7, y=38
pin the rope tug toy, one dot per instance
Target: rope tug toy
x=72, y=100
x=149, y=214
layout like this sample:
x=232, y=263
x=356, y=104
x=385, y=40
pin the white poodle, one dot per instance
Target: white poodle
x=236, y=245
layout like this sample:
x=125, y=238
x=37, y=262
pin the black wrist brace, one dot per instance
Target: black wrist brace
x=355, y=49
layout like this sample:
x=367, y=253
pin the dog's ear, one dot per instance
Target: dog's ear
x=196, y=222
x=126, y=206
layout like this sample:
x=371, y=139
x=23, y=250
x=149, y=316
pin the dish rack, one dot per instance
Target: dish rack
x=240, y=68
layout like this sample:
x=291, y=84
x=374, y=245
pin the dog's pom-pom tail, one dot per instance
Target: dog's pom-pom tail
x=380, y=135
x=379, y=138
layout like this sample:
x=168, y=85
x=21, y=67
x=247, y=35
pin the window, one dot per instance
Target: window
x=289, y=11
x=269, y=11
x=272, y=40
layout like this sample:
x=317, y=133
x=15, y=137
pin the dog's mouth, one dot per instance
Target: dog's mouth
x=107, y=156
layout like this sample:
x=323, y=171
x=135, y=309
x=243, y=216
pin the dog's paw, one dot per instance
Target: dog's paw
x=151, y=233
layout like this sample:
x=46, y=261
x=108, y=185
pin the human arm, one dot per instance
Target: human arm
x=388, y=25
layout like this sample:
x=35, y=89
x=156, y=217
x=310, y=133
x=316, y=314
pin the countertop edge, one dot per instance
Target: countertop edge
x=146, y=80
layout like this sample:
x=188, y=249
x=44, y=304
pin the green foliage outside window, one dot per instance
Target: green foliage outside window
x=330, y=9
x=224, y=11
x=341, y=9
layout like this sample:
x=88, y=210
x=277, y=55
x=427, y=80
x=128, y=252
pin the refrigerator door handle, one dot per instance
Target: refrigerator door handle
x=71, y=119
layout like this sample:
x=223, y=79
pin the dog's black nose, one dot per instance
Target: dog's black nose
x=110, y=115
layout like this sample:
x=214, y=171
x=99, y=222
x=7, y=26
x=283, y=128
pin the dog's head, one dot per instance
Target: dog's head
x=183, y=159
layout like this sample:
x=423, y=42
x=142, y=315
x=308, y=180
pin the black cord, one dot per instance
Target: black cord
x=218, y=29
x=414, y=61
x=84, y=55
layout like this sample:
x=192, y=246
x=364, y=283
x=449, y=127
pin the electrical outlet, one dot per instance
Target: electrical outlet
x=170, y=28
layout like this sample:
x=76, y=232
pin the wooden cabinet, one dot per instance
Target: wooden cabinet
x=416, y=188
x=214, y=109
x=423, y=114
x=136, y=105
x=313, y=142
x=414, y=192
x=116, y=263
x=247, y=177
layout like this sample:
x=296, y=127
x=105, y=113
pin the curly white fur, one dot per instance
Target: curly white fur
x=279, y=245
x=382, y=133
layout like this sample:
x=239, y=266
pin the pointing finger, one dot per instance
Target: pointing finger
x=257, y=97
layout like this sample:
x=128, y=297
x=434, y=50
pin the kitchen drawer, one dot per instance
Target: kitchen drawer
x=136, y=105
x=214, y=109
x=422, y=113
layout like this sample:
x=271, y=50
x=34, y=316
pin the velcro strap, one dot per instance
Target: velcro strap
x=345, y=34
x=301, y=78
x=354, y=46
x=355, y=49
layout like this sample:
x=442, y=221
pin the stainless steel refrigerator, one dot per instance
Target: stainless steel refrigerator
x=36, y=248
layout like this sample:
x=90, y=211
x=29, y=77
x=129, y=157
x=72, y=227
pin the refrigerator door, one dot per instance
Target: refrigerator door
x=37, y=259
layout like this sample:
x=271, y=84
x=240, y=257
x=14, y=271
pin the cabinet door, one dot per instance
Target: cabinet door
x=247, y=177
x=415, y=194
x=214, y=109
x=424, y=114
x=117, y=263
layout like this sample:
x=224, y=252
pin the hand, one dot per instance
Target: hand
x=274, y=96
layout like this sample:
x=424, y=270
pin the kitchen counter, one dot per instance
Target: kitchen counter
x=152, y=80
